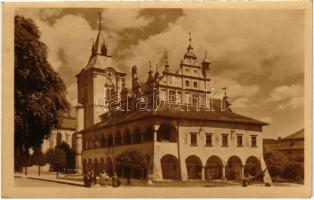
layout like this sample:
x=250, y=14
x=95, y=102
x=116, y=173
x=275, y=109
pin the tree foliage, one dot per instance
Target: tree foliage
x=39, y=91
x=70, y=156
x=57, y=158
x=131, y=160
x=276, y=162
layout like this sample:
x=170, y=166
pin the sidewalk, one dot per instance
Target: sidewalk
x=50, y=177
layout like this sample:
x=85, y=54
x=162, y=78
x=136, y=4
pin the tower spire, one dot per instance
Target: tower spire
x=100, y=47
x=99, y=21
x=190, y=38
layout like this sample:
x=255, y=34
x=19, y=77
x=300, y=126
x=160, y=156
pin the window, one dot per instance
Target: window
x=239, y=141
x=253, y=141
x=172, y=96
x=179, y=97
x=195, y=84
x=224, y=140
x=195, y=71
x=187, y=84
x=209, y=141
x=187, y=70
x=195, y=100
x=193, y=139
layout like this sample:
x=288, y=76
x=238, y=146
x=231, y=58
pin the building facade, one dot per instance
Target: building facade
x=64, y=133
x=291, y=146
x=182, y=131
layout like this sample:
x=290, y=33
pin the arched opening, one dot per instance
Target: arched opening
x=149, y=134
x=59, y=138
x=170, y=167
x=252, y=167
x=90, y=165
x=73, y=145
x=127, y=137
x=96, y=141
x=85, y=143
x=194, y=167
x=167, y=132
x=109, y=140
x=213, y=168
x=102, y=141
x=117, y=140
x=137, y=137
x=102, y=164
x=234, y=168
x=109, y=166
x=90, y=142
x=96, y=167
x=84, y=166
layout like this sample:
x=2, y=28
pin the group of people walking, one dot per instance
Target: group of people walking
x=91, y=179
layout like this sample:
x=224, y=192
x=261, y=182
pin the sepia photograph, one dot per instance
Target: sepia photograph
x=159, y=100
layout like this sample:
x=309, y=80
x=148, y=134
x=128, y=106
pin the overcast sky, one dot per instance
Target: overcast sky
x=257, y=54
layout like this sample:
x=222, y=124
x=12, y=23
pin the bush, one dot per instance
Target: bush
x=276, y=163
x=294, y=171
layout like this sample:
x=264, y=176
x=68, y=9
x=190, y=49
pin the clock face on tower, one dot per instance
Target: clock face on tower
x=109, y=74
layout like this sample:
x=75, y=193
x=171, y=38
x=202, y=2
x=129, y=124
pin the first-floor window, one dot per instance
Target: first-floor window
x=239, y=141
x=195, y=100
x=224, y=140
x=253, y=141
x=209, y=141
x=193, y=139
x=172, y=96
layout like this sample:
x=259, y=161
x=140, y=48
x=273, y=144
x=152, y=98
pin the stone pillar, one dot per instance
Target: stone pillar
x=223, y=172
x=155, y=135
x=242, y=172
x=157, y=174
x=79, y=142
x=203, y=172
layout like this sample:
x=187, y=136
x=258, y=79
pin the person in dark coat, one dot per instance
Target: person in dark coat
x=115, y=180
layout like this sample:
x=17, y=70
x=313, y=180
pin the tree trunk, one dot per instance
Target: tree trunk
x=57, y=173
x=38, y=170
x=25, y=170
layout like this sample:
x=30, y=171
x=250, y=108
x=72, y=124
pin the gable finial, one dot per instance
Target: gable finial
x=150, y=66
x=190, y=38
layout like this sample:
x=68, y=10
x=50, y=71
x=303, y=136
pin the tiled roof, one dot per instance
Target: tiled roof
x=102, y=62
x=218, y=116
x=298, y=135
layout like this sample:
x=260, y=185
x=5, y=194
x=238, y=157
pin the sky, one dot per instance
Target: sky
x=258, y=55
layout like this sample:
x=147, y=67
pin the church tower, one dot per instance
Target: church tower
x=98, y=81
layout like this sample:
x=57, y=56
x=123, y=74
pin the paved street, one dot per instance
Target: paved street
x=25, y=182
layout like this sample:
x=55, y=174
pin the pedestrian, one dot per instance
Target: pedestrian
x=115, y=180
x=85, y=179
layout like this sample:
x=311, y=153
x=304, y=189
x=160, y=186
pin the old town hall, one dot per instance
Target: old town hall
x=192, y=142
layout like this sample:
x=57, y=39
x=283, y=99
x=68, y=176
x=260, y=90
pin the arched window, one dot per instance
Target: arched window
x=127, y=137
x=187, y=83
x=172, y=95
x=195, y=84
x=117, y=140
x=59, y=138
x=195, y=100
x=137, y=136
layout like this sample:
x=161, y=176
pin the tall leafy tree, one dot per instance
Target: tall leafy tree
x=57, y=158
x=130, y=161
x=39, y=100
x=70, y=156
x=38, y=158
